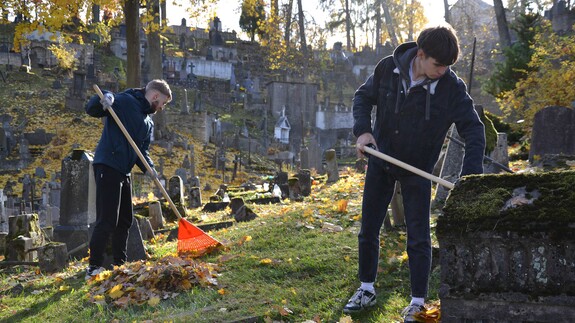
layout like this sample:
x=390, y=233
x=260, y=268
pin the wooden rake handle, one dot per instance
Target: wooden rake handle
x=139, y=153
x=408, y=167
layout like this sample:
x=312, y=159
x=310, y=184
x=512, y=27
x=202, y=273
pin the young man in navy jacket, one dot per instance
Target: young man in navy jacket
x=418, y=97
x=113, y=163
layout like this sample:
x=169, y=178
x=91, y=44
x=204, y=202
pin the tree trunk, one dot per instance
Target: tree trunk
x=348, y=25
x=377, y=25
x=389, y=23
x=153, y=62
x=447, y=13
x=504, y=35
x=131, y=13
x=288, y=23
x=301, y=28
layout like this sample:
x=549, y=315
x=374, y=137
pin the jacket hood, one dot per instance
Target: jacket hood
x=402, y=57
x=140, y=95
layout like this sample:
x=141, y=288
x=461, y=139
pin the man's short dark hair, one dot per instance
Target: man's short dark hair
x=440, y=43
x=160, y=86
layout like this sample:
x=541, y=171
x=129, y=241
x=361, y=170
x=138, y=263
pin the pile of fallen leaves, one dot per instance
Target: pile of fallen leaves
x=138, y=283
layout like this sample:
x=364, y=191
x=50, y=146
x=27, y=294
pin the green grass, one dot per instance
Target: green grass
x=290, y=270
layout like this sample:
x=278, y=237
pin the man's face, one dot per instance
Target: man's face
x=431, y=68
x=159, y=102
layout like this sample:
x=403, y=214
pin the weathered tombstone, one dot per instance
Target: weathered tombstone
x=25, y=150
x=192, y=163
x=499, y=154
x=331, y=166
x=176, y=189
x=451, y=166
x=3, y=215
x=24, y=235
x=76, y=96
x=506, y=247
x=304, y=178
x=156, y=217
x=194, y=181
x=53, y=257
x=553, y=133
x=27, y=189
x=145, y=228
x=185, y=106
x=195, y=197
x=54, y=195
x=78, y=201
x=182, y=173
x=315, y=153
x=281, y=179
x=240, y=212
x=186, y=162
x=294, y=189
x=40, y=172
x=304, y=158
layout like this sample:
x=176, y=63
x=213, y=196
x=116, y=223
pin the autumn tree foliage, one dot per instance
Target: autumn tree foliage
x=252, y=17
x=547, y=81
x=516, y=57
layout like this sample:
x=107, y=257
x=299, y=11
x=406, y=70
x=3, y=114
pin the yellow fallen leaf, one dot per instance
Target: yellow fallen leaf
x=186, y=284
x=346, y=258
x=116, y=292
x=154, y=301
x=221, y=291
x=266, y=261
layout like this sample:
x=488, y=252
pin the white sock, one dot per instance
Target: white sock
x=368, y=287
x=417, y=301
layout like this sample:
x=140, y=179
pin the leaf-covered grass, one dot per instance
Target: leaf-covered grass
x=297, y=261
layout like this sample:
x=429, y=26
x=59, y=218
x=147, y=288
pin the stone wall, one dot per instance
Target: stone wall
x=507, y=249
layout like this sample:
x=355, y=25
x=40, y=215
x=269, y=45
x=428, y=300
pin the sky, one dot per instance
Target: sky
x=228, y=11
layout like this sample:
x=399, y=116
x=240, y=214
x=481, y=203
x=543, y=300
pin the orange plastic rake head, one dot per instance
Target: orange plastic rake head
x=193, y=240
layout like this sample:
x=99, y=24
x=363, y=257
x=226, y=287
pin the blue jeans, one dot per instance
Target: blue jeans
x=113, y=215
x=377, y=194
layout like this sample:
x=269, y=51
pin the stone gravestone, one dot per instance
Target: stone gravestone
x=304, y=178
x=499, y=154
x=25, y=150
x=304, y=158
x=185, y=106
x=3, y=215
x=24, y=235
x=192, y=162
x=451, y=168
x=331, y=166
x=315, y=153
x=78, y=201
x=156, y=218
x=553, y=133
x=195, y=197
x=176, y=193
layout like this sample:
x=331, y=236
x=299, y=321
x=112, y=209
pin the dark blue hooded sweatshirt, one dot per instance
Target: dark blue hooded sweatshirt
x=411, y=125
x=113, y=149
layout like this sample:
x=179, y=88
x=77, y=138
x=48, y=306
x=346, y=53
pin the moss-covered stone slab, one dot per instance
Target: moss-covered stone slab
x=515, y=202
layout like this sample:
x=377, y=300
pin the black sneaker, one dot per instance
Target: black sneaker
x=409, y=312
x=93, y=270
x=360, y=300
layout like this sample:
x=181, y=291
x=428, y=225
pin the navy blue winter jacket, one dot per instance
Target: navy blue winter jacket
x=113, y=149
x=412, y=127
